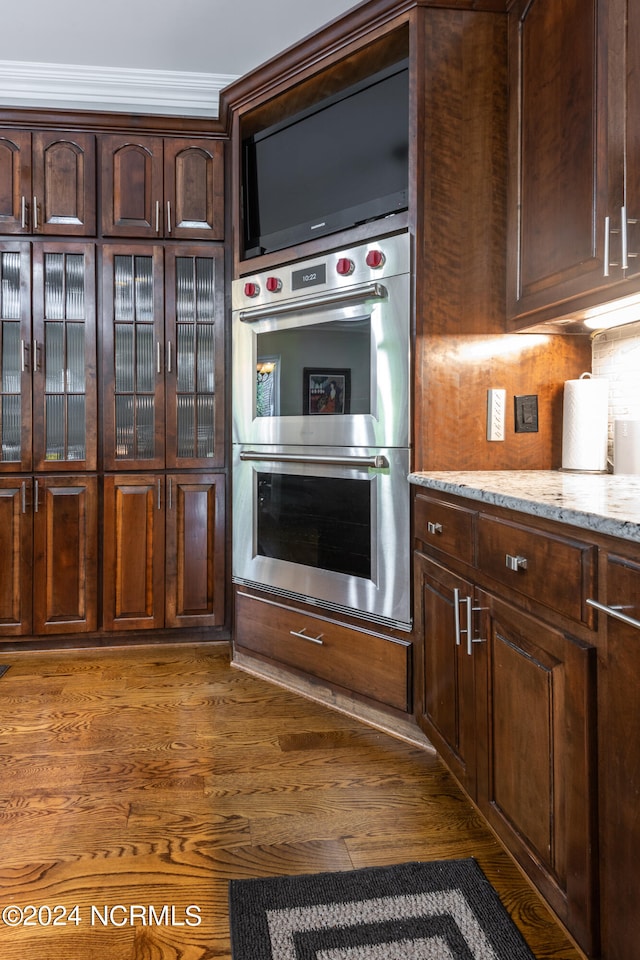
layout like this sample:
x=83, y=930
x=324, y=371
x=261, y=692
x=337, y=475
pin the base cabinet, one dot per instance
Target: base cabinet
x=448, y=699
x=163, y=551
x=49, y=546
x=507, y=688
x=535, y=689
x=619, y=750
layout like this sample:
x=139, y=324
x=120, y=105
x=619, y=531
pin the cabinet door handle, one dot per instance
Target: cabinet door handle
x=305, y=636
x=158, y=357
x=36, y=492
x=615, y=612
x=169, y=494
x=515, y=562
x=159, y=482
x=157, y=216
x=34, y=358
x=23, y=356
x=168, y=356
x=607, y=229
x=168, y=216
x=24, y=496
x=434, y=527
x=23, y=213
x=623, y=238
x=34, y=213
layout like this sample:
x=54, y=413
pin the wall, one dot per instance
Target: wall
x=616, y=356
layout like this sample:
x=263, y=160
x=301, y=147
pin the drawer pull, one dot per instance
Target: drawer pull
x=515, y=563
x=305, y=636
x=434, y=527
x=615, y=612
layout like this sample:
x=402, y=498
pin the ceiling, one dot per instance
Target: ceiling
x=58, y=52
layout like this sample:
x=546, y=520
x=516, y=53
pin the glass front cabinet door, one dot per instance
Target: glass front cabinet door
x=47, y=357
x=162, y=357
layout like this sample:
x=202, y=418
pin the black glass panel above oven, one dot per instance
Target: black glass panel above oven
x=319, y=369
x=322, y=522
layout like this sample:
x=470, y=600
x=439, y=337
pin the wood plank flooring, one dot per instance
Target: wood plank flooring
x=142, y=778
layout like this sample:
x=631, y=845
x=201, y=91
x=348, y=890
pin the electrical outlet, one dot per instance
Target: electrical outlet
x=526, y=413
x=496, y=403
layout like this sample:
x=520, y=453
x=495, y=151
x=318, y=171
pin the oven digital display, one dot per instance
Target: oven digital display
x=309, y=277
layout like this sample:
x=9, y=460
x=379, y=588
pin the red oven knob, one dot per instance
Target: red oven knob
x=251, y=289
x=345, y=266
x=273, y=284
x=375, y=259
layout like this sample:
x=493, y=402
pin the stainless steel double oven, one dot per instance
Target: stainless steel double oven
x=321, y=354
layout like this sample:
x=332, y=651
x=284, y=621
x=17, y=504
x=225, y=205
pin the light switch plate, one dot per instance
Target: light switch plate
x=526, y=413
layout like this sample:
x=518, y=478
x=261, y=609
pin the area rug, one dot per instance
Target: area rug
x=444, y=910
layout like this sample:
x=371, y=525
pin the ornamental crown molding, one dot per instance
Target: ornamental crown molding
x=69, y=86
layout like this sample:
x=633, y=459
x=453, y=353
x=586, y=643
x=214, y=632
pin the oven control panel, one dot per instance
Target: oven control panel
x=374, y=260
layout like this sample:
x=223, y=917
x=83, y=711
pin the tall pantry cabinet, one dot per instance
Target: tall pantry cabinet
x=112, y=447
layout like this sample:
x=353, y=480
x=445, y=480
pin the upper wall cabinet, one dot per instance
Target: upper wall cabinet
x=158, y=187
x=574, y=190
x=47, y=183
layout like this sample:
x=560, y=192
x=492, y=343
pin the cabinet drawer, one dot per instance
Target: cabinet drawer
x=555, y=571
x=363, y=663
x=445, y=527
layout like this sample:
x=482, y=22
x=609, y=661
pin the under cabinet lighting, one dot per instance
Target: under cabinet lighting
x=615, y=314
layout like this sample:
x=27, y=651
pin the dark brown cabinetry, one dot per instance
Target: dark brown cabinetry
x=448, y=699
x=506, y=694
x=49, y=542
x=47, y=182
x=347, y=657
x=163, y=551
x=155, y=187
x=620, y=757
x=574, y=191
x=163, y=358
x=48, y=356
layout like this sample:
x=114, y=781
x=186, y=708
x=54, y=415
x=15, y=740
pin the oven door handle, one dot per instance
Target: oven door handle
x=377, y=461
x=366, y=291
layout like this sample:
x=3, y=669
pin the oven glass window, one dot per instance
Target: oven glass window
x=322, y=522
x=322, y=369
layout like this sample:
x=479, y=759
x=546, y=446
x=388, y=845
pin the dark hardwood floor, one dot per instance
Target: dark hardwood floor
x=143, y=777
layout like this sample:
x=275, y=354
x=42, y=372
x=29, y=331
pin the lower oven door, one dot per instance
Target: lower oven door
x=328, y=526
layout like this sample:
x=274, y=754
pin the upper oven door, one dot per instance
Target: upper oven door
x=329, y=369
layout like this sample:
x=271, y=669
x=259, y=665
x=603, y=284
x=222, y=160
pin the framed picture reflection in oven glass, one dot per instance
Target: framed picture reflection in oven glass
x=326, y=391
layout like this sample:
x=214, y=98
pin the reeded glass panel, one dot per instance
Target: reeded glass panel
x=11, y=365
x=10, y=286
x=195, y=356
x=76, y=433
x=10, y=354
x=10, y=427
x=135, y=358
x=64, y=357
x=206, y=436
x=54, y=443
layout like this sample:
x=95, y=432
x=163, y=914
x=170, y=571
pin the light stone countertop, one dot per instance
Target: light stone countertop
x=605, y=503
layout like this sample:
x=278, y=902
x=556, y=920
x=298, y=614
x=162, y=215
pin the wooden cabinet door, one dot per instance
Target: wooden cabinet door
x=447, y=699
x=16, y=530
x=194, y=307
x=16, y=357
x=63, y=183
x=133, y=358
x=536, y=768
x=15, y=181
x=619, y=751
x=626, y=22
x=65, y=560
x=195, y=564
x=133, y=552
x=132, y=186
x=194, y=189
x=558, y=189
x=64, y=363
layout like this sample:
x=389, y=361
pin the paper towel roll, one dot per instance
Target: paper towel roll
x=585, y=423
x=626, y=446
